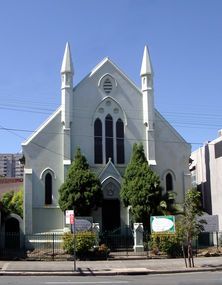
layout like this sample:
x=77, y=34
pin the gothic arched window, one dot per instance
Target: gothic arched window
x=48, y=189
x=98, y=146
x=120, y=141
x=169, y=182
x=109, y=137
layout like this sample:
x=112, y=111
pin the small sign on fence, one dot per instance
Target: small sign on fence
x=69, y=217
x=83, y=224
x=162, y=224
x=212, y=223
x=72, y=219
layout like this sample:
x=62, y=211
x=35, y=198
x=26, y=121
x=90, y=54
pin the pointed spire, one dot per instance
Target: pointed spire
x=146, y=67
x=67, y=65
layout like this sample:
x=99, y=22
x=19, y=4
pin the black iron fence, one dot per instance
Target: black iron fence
x=120, y=239
x=33, y=247
x=120, y=242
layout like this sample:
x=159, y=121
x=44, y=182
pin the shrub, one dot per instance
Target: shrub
x=84, y=242
x=166, y=243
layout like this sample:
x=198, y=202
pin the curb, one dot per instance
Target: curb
x=107, y=273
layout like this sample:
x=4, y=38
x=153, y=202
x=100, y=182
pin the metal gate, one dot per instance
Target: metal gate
x=120, y=239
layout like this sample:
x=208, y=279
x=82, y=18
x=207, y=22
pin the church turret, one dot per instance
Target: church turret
x=67, y=73
x=146, y=74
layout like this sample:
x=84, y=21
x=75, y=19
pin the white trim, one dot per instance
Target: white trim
x=105, y=60
x=152, y=162
x=35, y=133
x=27, y=170
x=98, y=66
x=47, y=169
x=166, y=172
x=174, y=131
x=105, y=168
x=112, y=99
x=110, y=177
x=50, y=206
x=164, y=175
x=67, y=162
x=107, y=75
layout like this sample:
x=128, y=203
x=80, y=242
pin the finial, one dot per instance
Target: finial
x=67, y=65
x=146, y=67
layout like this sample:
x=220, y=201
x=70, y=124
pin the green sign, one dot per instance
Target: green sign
x=162, y=224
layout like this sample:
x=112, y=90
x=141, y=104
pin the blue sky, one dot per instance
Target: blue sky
x=184, y=38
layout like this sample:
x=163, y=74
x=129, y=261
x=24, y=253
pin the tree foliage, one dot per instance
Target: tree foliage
x=141, y=188
x=81, y=188
x=12, y=202
x=189, y=225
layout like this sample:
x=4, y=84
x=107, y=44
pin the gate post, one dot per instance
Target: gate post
x=138, y=237
x=96, y=230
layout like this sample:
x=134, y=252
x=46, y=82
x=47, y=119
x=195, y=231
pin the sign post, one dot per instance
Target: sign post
x=72, y=222
x=70, y=219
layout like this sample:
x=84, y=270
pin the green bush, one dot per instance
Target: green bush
x=84, y=242
x=166, y=243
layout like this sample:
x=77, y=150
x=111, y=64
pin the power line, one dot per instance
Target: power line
x=43, y=147
x=139, y=119
x=92, y=137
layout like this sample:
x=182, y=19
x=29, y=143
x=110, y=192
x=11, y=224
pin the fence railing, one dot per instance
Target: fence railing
x=36, y=246
x=120, y=243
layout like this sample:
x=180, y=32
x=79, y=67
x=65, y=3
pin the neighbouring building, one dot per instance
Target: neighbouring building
x=104, y=114
x=10, y=165
x=10, y=184
x=205, y=167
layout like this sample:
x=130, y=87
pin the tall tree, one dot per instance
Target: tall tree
x=141, y=187
x=189, y=224
x=81, y=188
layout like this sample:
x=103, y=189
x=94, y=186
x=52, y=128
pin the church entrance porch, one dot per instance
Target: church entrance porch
x=111, y=206
x=110, y=214
x=116, y=233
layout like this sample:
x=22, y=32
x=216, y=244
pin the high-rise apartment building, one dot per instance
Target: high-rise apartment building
x=10, y=165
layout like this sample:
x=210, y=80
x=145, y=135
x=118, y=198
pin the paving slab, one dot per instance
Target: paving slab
x=108, y=267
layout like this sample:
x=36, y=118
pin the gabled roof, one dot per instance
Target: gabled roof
x=107, y=60
x=39, y=129
x=110, y=171
x=173, y=130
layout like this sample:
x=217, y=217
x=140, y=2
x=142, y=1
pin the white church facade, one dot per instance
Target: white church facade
x=104, y=114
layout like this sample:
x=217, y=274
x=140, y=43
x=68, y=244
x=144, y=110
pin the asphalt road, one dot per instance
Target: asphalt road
x=207, y=278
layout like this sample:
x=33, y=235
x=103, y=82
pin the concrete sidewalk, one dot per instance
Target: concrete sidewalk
x=110, y=267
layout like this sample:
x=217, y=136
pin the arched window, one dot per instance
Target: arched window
x=109, y=137
x=98, y=147
x=48, y=189
x=120, y=141
x=169, y=182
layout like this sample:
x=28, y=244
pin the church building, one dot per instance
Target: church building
x=104, y=115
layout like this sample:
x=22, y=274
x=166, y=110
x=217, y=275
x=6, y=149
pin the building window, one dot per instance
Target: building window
x=109, y=137
x=98, y=146
x=120, y=141
x=193, y=178
x=107, y=85
x=169, y=182
x=48, y=189
x=218, y=149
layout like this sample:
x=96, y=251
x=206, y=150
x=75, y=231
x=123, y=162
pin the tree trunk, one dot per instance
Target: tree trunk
x=184, y=255
x=190, y=253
